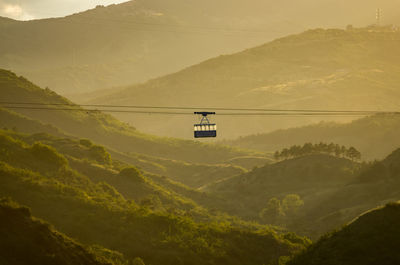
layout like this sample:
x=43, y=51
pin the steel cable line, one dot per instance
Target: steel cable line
x=320, y=111
x=293, y=114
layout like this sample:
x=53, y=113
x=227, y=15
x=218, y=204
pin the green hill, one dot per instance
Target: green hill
x=191, y=174
x=318, y=69
x=85, y=207
x=309, y=177
x=375, y=185
x=137, y=40
x=375, y=136
x=103, y=128
x=26, y=240
x=371, y=239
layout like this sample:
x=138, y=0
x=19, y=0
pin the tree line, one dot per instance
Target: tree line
x=321, y=148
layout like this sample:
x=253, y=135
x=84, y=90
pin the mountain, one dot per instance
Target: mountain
x=311, y=194
x=370, y=239
x=308, y=176
x=328, y=69
x=99, y=127
x=27, y=240
x=137, y=40
x=375, y=136
x=376, y=184
x=54, y=185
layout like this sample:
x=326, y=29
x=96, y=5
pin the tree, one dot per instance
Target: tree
x=338, y=151
x=343, y=150
x=133, y=174
x=85, y=142
x=285, y=153
x=291, y=204
x=277, y=155
x=353, y=154
x=138, y=261
x=273, y=212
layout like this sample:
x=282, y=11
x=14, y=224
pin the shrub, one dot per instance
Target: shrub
x=86, y=142
x=100, y=154
x=48, y=155
x=132, y=173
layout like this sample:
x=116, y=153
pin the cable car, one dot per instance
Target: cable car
x=205, y=129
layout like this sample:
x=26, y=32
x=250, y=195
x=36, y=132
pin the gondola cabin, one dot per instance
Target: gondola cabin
x=202, y=130
x=205, y=129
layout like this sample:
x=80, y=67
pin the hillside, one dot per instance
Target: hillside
x=309, y=177
x=375, y=136
x=375, y=185
x=370, y=239
x=318, y=69
x=159, y=229
x=134, y=41
x=100, y=127
x=20, y=234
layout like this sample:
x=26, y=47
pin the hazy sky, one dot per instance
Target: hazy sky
x=31, y=9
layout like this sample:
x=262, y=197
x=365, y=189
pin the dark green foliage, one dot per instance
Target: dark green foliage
x=138, y=261
x=373, y=136
x=373, y=238
x=272, y=214
x=28, y=241
x=321, y=148
x=376, y=185
x=132, y=174
x=48, y=155
x=309, y=176
x=97, y=213
x=86, y=142
x=100, y=154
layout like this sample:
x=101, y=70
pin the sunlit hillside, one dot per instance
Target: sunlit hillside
x=134, y=41
x=332, y=69
x=375, y=136
x=88, y=196
x=99, y=127
x=199, y=132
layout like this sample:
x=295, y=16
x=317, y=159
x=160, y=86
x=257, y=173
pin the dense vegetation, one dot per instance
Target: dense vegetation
x=373, y=136
x=373, y=238
x=375, y=185
x=28, y=241
x=308, y=177
x=321, y=148
x=94, y=212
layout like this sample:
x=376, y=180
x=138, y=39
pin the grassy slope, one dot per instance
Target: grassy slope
x=372, y=238
x=374, y=136
x=309, y=176
x=99, y=214
x=26, y=240
x=105, y=129
x=376, y=185
x=322, y=69
x=194, y=175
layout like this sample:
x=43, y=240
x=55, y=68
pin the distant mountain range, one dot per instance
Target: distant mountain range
x=354, y=69
x=137, y=40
